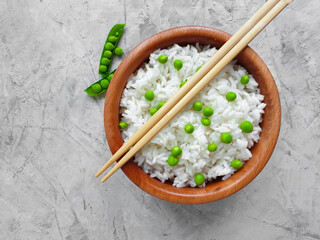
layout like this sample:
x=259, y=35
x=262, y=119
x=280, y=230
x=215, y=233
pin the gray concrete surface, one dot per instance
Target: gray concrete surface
x=52, y=138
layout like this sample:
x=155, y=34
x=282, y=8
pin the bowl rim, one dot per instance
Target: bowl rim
x=212, y=191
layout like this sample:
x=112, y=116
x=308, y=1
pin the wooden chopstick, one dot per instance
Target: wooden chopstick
x=201, y=84
x=191, y=83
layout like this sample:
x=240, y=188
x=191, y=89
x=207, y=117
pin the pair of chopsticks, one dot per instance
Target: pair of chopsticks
x=194, y=85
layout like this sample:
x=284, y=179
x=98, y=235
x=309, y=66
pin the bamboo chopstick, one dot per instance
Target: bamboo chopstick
x=202, y=83
x=191, y=83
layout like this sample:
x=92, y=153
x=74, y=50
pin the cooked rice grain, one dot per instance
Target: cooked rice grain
x=164, y=80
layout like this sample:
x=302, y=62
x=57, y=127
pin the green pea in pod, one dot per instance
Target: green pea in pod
x=109, y=48
x=101, y=86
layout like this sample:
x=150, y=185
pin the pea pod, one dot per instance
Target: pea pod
x=109, y=49
x=101, y=86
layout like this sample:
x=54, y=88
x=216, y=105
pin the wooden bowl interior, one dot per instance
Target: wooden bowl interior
x=261, y=151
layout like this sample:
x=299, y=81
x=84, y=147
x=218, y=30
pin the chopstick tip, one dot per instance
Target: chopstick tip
x=103, y=180
x=99, y=173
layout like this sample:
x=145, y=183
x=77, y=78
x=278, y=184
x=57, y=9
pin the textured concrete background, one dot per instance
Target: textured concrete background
x=52, y=139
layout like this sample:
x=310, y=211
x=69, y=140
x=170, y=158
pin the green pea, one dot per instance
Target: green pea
x=231, y=96
x=207, y=111
x=199, y=179
x=189, y=128
x=212, y=147
x=197, y=106
x=244, y=79
x=160, y=104
x=149, y=95
x=237, y=164
x=96, y=87
x=117, y=33
x=153, y=111
x=123, y=125
x=226, y=138
x=183, y=83
x=177, y=64
x=104, y=83
x=176, y=151
x=205, y=121
x=118, y=51
x=162, y=59
x=109, y=46
x=112, y=39
x=198, y=68
x=107, y=54
x=110, y=77
x=246, y=126
x=105, y=61
x=102, y=68
x=172, y=160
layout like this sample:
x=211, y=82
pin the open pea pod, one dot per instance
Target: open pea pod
x=100, y=86
x=108, y=51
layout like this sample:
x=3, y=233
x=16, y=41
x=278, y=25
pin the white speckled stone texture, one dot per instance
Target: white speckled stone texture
x=52, y=138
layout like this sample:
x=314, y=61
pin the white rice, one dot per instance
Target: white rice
x=164, y=80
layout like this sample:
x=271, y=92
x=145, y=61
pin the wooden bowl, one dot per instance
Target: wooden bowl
x=261, y=151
